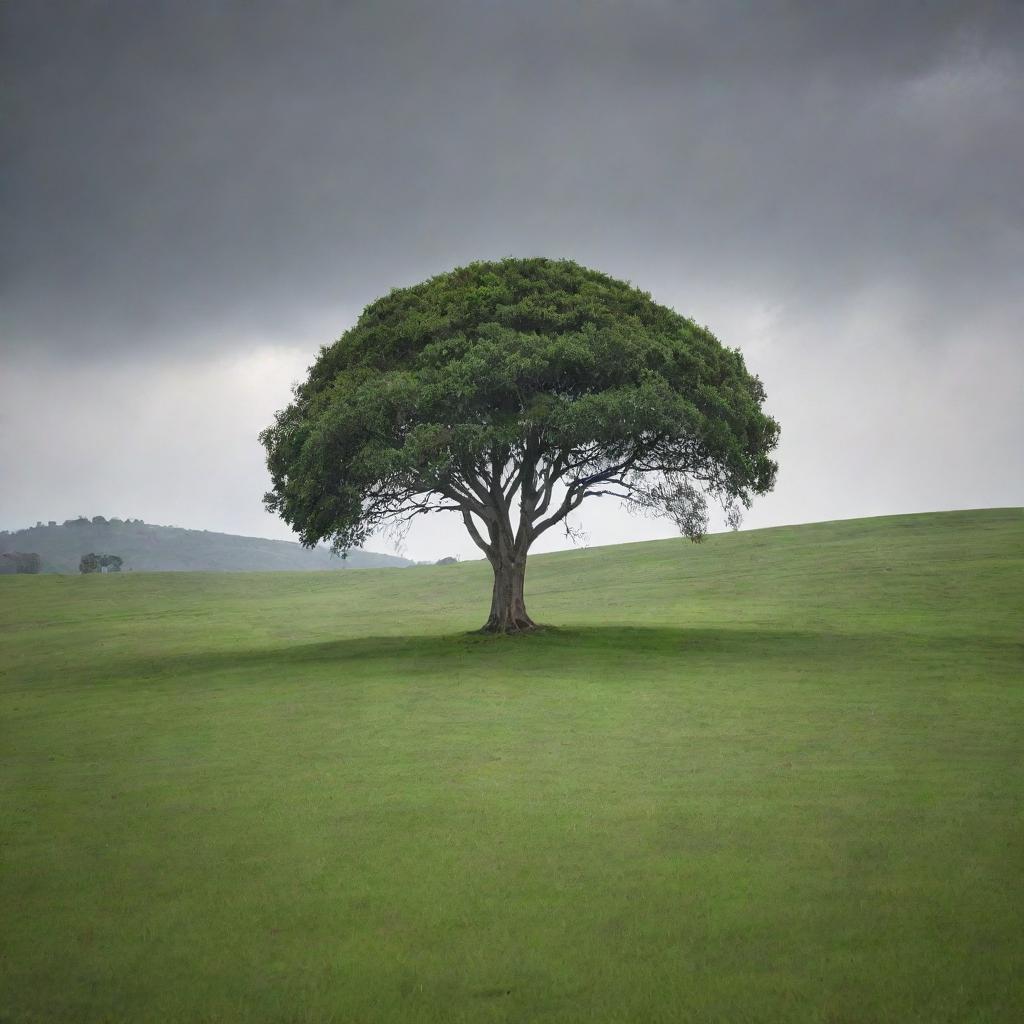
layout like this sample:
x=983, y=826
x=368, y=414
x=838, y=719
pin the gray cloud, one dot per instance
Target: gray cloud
x=833, y=187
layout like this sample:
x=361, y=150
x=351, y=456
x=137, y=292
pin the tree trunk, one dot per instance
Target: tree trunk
x=508, y=609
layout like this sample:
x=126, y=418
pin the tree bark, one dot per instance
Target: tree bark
x=508, y=608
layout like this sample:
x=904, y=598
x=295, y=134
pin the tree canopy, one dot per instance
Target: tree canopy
x=510, y=392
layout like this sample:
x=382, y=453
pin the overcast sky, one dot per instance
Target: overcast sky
x=196, y=196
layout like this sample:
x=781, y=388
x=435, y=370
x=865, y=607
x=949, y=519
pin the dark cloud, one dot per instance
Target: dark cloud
x=225, y=166
x=820, y=183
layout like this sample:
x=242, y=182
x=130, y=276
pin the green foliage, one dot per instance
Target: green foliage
x=20, y=562
x=89, y=563
x=493, y=385
x=97, y=563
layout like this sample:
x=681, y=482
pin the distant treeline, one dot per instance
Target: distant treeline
x=144, y=547
x=78, y=521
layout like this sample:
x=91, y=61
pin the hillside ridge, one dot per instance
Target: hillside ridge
x=147, y=547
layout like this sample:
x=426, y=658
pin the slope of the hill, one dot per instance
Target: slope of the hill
x=773, y=777
x=148, y=548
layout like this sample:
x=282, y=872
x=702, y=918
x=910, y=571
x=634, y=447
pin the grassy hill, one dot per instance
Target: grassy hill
x=148, y=548
x=774, y=777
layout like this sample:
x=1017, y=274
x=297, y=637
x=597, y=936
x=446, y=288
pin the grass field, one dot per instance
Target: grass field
x=775, y=777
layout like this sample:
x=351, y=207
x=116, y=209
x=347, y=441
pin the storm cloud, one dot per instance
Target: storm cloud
x=197, y=196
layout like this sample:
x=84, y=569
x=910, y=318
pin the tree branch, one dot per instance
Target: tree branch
x=478, y=540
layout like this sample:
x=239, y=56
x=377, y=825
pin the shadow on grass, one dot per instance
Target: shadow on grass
x=572, y=649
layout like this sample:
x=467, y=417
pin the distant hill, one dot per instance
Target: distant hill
x=148, y=548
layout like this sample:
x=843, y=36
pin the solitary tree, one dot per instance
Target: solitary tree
x=23, y=562
x=509, y=393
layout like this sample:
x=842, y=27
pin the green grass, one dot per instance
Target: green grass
x=775, y=777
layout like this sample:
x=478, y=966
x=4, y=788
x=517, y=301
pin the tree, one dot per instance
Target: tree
x=100, y=563
x=20, y=562
x=509, y=393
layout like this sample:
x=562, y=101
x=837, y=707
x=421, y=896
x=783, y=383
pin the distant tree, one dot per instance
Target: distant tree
x=99, y=521
x=449, y=560
x=509, y=393
x=22, y=562
x=100, y=563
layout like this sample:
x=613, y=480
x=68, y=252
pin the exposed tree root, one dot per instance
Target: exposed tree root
x=512, y=624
